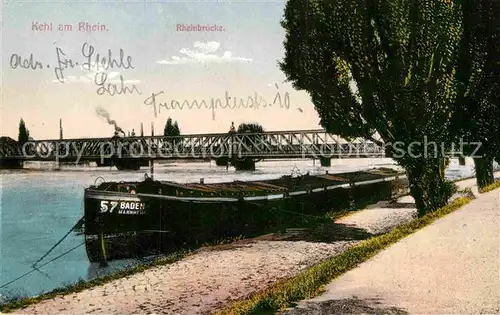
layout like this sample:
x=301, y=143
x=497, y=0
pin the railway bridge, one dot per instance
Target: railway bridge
x=235, y=147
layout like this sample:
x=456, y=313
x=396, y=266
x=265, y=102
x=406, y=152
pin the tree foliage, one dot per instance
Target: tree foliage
x=496, y=127
x=171, y=128
x=24, y=133
x=381, y=66
x=250, y=127
x=250, y=140
x=479, y=84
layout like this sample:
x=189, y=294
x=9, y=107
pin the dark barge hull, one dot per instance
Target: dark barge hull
x=137, y=219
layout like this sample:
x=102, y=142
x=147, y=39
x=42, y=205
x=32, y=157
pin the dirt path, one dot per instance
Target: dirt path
x=449, y=267
x=213, y=277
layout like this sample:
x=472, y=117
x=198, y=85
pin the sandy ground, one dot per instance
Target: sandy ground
x=384, y=216
x=214, y=277
x=449, y=267
x=196, y=285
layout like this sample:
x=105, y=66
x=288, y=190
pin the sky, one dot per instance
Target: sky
x=155, y=54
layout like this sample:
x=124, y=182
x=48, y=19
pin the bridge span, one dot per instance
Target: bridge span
x=316, y=144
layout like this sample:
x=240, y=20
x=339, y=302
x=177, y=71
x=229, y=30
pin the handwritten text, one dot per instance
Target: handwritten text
x=26, y=63
x=112, y=89
x=227, y=102
x=104, y=62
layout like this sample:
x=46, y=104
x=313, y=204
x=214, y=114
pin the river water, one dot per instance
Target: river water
x=39, y=206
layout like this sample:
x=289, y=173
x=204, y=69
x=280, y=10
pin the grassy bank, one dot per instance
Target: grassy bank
x=491, y=187
x=309, y=283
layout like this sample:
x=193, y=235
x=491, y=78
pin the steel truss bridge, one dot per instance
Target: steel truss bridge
x=267, y=145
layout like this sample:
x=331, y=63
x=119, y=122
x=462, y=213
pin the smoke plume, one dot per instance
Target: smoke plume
x=104, y=114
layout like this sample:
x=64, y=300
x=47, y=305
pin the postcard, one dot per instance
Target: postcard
x=194, y=157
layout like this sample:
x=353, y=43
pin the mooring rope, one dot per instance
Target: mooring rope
x=45, y=264
x=59, y=242
x=34, y=265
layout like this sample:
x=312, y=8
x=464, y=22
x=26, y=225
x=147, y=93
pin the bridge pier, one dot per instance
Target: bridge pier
x=127, y=164
x=221, y=161
x=461, y=161
x=326, y=162
x=11, y=164
x=104, y=162
x=246, y=164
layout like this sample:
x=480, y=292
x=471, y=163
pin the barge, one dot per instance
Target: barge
x=138, y=219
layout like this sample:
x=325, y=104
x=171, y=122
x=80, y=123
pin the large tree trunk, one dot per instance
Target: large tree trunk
x=428, y=184
x=484, y=171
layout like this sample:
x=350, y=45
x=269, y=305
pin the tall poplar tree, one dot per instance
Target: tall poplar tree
x=24, y=133
x=402, y=57
x=478, y=108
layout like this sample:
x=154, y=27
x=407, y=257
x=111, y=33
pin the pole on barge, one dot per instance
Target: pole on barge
x=103, y=259
x=104, y=255
x=151, y=161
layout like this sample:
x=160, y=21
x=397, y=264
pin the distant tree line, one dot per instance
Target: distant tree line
x=171, y=129
x=250, y=127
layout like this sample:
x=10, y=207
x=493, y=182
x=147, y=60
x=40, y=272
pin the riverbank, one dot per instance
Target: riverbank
x=309, y=283
x=449, y=267
x=231, y=272
x=54, y=204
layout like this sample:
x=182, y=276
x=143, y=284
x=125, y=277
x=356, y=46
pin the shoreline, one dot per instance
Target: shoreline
x=249, y=263
x=432, y=252
x=82, y=285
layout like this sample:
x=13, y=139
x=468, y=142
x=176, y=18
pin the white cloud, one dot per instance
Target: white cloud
x=203, y=53
x=112, y=76
x=207, y=47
